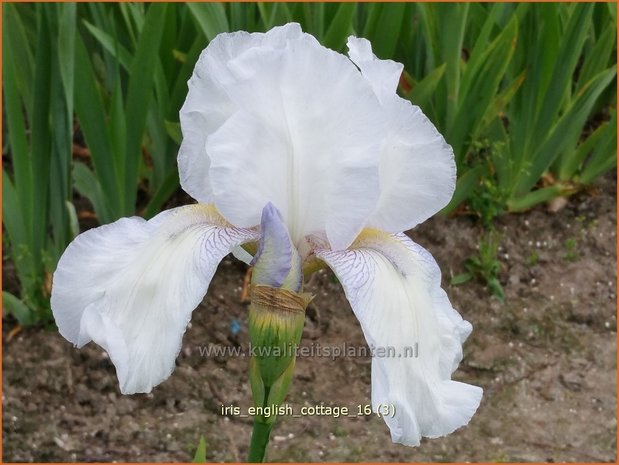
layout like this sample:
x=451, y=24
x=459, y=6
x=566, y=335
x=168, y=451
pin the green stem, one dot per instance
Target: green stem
x=259, y=441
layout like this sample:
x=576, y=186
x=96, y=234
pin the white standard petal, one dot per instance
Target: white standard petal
x=417, y=167
x=208, y=104
x=393, y=286
x=132, y=285
x=417, y=170
x=307, y=138
x=383, y=75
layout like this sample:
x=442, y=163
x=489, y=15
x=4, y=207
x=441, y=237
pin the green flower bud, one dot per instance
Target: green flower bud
x=276, y=319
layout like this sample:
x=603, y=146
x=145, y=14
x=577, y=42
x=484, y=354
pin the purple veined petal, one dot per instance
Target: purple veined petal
x=393, y=286
x=132, y=285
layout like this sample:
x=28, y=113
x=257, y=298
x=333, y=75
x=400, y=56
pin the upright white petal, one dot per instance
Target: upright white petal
x=208, y=104
x=131, y=286
x=417, y=167
x=301, y=128
x=393, y=286
x=383, y=75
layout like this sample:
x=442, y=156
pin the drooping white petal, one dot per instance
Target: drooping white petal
x=393, y=286
x=131, y=286
x=305, y=134
x=417, y=168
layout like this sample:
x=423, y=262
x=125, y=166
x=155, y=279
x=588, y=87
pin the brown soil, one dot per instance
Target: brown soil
x=546, y=359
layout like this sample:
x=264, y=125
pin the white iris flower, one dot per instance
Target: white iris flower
x=345, y=164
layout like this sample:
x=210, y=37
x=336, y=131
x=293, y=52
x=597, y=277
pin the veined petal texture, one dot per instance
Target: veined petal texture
x=132, y=285
x=393, y=286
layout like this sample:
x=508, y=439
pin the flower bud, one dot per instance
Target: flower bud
x=276, y=318
x=276, y=312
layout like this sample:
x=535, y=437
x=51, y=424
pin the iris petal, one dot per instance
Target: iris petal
x=393, y=286
x=383, y=75
x=417, y=167
x=132, y=285
x=278, y=118
x=208, y=104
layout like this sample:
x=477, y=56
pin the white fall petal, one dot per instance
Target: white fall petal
x=394, y=288
x=132, y=285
